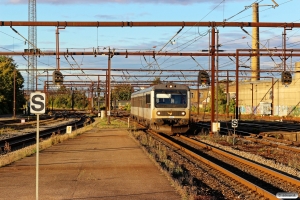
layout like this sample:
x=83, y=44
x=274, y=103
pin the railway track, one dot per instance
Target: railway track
x=25, y=135
x=292, y=146
x=280, y=180
x=246, y=175
x=250, y=179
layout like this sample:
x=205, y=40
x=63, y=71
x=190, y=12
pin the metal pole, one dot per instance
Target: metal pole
x=217, y=76
x=57, y=49
x=72, y=98
x=198, y=98
x=106, y=93
x=252, y=98
x=272, y=98
x=227, y=95
x=108, y=88
x=47, y=88
x=212, y=98
x=92, y=98
x=14, y=114
x=255, y=44
x=36, y=80
x=237, y=85
x=37, y=155
x=284, y=49
x=98, y=91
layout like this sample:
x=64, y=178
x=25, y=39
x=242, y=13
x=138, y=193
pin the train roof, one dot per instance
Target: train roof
x=162, y=86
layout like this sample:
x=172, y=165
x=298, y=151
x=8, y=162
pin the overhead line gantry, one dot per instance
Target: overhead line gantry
x=212, y=24
x=148, y=24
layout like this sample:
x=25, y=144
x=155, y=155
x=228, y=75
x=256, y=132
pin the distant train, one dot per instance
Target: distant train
x=164, y=108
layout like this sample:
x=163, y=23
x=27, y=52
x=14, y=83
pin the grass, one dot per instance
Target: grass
x=114, y=123
x=6, y=130
x=11, y=157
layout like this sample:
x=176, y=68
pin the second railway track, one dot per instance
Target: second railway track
x=17, y=138
x=249, y=179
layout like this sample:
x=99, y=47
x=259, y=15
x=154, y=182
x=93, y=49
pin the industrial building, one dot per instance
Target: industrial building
x=269, y=96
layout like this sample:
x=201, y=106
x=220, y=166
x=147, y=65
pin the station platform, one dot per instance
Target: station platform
x=99, y=164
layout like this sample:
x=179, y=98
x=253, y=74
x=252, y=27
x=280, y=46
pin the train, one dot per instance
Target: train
x=164, y=107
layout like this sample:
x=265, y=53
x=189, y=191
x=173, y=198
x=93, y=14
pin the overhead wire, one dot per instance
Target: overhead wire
x=189, y=29
x=264, y=10
x=204, y=17
x=223, y=17
x=12, y=36
x=246, y=8
x=271, y=28
x=79, y=67
x=25, y=38
x=183, y=34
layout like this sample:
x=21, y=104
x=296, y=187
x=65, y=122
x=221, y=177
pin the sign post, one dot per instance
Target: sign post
x=234, y=124
x=37, y=106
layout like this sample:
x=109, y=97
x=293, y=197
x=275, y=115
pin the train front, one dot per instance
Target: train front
x=171, y=112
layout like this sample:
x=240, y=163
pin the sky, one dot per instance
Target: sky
x=190, y=39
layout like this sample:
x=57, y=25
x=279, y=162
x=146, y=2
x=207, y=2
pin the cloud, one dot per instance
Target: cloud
x=181, y=2
x=126, y=16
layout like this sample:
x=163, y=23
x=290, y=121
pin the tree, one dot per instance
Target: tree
x=122, y=92
x=7, y=70
x=67, y=98
x=222, y=100
x=156, y=81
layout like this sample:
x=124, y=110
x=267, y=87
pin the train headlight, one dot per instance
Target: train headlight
x=158, y=112
x=183, y=113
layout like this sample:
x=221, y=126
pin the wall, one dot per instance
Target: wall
x=286, y=99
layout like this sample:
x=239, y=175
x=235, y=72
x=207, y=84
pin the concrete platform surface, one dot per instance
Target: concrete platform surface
x=99, y=164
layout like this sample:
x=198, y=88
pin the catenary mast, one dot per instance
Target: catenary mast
x=32, y=38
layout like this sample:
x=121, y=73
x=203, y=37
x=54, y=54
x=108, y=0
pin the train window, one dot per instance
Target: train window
x=163, y=96
x=171, y=98
x=148, y=100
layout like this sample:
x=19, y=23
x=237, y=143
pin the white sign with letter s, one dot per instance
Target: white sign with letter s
x=37, y=103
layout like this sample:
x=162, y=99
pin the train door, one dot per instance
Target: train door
x=142, y=106
x=139, y=108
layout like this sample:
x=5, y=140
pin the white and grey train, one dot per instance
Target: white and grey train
x=164, y=108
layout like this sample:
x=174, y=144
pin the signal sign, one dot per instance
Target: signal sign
x=58, y=78
x=203, y=78
x=286, y=78
x=37, y=103
x=234, y=123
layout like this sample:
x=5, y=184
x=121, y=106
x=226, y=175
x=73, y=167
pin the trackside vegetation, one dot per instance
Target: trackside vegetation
x=10, y=76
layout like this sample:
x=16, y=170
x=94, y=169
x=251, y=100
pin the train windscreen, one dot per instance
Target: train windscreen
x=170, y=98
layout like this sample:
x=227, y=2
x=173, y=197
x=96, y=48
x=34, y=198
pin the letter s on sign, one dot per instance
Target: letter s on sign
x=37, y=103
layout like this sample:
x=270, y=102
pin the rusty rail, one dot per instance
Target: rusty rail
x=274, y=145
x=237, y=178
x=249, y=163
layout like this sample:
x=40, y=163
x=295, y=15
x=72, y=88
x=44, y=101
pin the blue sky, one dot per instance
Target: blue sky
x=144, y=38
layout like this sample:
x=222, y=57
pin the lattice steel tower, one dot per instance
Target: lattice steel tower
x=32, y=38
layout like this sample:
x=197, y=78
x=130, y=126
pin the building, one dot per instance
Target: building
x=263, y=97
